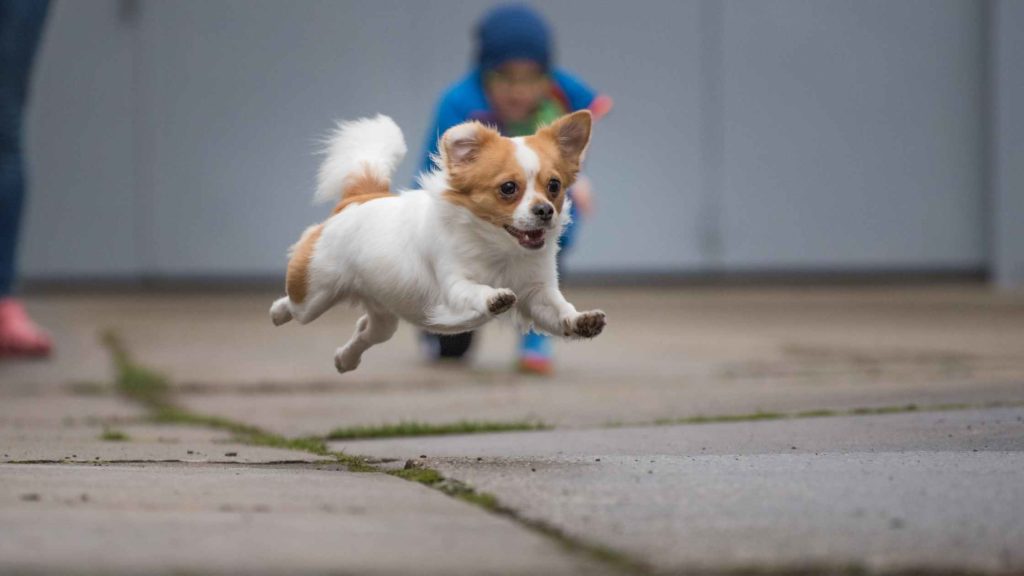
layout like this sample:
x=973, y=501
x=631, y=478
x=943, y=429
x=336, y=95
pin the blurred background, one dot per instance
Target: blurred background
x=174, y=141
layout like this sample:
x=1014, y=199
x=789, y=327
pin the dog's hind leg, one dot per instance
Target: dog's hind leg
x=280, y=312
x=372, y=328
x=283, y=310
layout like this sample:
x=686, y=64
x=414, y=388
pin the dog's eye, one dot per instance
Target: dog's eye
x=508, y=189
x=554, y=187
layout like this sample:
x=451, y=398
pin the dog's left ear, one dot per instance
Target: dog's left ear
x=572, y=134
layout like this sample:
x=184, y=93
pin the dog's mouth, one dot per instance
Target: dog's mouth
x=532, y=239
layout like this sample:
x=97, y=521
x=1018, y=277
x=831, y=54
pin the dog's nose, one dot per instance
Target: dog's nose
x=543, y=211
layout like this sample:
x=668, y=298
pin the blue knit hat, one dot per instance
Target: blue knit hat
x=512, y=31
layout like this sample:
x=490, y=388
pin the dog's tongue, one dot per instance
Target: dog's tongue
x=532, y=239
x=528, y=238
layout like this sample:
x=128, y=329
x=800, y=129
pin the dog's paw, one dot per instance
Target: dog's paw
x=345, y=360
x=585, y=324
x=501, y=301
x=280, y=313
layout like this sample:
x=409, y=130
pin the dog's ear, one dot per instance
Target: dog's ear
x=571, y=133
x=461, y=144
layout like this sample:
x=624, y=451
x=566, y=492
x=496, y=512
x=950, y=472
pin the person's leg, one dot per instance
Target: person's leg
x=21, y=23
x=446, y=347
x=535, y=354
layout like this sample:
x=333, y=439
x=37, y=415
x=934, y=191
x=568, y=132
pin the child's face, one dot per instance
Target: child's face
x=515, y=89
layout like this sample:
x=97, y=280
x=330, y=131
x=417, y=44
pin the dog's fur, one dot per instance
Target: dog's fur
x=478, y=241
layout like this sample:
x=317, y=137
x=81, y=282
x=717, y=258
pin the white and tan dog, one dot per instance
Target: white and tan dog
x=478, y=241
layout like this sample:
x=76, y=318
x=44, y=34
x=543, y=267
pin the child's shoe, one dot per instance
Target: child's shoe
x=535, y=355
x=19, y=336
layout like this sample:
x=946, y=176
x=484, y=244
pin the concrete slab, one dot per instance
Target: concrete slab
x=997, y=429
x=56, y=410
x=644, y=398
x=74, y=323
x=213, y=519
x=143, y=443
x=667, y=354
x=897, y=492
x=767, y=334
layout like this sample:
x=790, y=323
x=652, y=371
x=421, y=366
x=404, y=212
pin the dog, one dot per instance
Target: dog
x=477, y=242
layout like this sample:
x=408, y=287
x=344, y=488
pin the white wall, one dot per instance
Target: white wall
x=747, y=135
x=1008, y=136
x=83, y=209
x=854, y=134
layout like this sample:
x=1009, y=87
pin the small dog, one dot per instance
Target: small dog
x=478, y=241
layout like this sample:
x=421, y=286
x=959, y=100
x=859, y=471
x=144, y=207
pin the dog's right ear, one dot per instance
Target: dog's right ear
x=461, y=144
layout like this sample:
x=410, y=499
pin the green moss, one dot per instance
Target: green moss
x=425, y=429
x=427, y=476
x=112, y=435
x=255, y=436
x=816, y=414
x=482, y=499
x=152, y=390
x=136, y=382
x=864, y=411
x=170, y=414
x=883, y=410
x=722, y=418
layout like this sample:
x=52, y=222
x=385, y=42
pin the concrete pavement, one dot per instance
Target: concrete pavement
x=931, y=490
x=919, y=491
x=207, y=519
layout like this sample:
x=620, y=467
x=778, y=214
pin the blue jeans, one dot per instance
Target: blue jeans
x=21, y=25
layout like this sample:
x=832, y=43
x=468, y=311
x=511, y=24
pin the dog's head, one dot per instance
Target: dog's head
x=516, y=184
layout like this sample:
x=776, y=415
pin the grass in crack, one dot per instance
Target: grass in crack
x=255, y=436
x=884, y=410
x=134, y=381
x=461, y=491
x=816, y=413
x=112, y=435
x=453, y=488
x=722, y=418
x=823, y=413
x=406, y=429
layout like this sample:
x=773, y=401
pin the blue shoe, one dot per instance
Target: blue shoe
x=535, y=356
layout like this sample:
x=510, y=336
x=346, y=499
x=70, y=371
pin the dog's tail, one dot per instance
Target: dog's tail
x=361, y=157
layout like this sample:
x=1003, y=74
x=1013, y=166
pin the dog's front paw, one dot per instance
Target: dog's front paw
x=501, y=301
x=585, y=324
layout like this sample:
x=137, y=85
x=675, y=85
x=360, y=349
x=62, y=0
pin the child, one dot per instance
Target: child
x=515, y=88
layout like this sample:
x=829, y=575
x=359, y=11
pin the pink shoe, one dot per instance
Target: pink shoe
x=19, y=336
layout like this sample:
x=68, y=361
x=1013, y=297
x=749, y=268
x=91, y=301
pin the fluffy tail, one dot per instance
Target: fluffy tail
x=361, y=157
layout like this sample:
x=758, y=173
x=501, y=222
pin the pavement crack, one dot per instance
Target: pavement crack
x=620, y=561
x=153, y=392
x=817, y=413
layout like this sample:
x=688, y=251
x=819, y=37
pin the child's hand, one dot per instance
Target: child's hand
x=583, y=195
